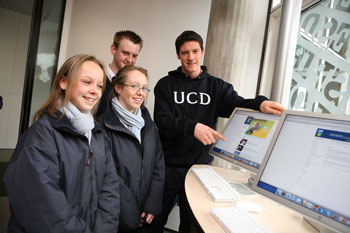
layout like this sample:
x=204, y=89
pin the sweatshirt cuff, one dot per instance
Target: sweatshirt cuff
x=259, y=100
x=190, y=127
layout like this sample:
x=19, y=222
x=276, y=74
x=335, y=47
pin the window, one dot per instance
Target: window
x=320, y=80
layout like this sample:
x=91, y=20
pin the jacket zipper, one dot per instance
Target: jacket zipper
x=142, y=169
x=89, y=158
x=88, y=162
x=142, y=161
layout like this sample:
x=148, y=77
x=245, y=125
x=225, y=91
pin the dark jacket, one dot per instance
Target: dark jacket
x=56, y=182
x=105, y=99
x=140, y=167
x=181, y=102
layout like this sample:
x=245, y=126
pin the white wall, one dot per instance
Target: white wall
x=14, y=29
x=90, y=25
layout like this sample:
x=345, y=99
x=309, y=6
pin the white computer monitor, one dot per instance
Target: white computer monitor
x=307, y=167
x=248, y=135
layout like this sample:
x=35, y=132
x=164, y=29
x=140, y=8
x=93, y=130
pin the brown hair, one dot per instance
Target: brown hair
x=187, y=36
x=120, y=77
x=70, y=71
x=130, y=35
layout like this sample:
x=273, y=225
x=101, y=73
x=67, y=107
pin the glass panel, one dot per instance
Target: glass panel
x=321, y=81
x=275, y=3
x=46, y=61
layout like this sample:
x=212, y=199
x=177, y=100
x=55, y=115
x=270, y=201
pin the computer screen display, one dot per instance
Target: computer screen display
x=307, y=167
x=248, y=135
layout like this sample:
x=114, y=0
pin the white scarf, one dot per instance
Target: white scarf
x=83, y=122
x=132, y=121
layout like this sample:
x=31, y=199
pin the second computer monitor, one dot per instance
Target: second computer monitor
x=307, y=167
x=248, y=135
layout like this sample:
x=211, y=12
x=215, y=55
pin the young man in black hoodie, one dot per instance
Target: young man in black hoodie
x=187, y=104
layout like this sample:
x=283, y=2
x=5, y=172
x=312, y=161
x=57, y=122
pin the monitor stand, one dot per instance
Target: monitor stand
x=318, y=226
x=244, y=188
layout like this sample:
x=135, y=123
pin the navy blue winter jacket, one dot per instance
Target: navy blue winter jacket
x=181, y=102
x=53, y=186
x=140, y=167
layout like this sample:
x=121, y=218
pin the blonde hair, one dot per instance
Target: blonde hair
x=70, y=71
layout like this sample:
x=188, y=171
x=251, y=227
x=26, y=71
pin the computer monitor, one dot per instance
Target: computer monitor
x=307, y=167
x=248, y=135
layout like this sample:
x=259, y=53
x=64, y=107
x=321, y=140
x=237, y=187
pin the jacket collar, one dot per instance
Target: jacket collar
x=111, y=120
x=63, y=123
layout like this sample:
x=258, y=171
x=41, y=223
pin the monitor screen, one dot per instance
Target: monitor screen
x=248, y=135
x=307, y=167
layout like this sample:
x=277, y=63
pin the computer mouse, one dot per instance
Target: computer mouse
x=249, y=206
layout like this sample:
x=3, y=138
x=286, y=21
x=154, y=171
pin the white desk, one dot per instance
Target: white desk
x=274, y=216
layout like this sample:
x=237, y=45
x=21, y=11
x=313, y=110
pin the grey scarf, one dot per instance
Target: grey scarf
x=132, y=121
x=83, y=122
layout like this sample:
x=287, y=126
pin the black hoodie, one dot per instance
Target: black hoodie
x=181, y=102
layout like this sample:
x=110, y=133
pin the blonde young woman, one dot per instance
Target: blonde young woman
x=61, y=176
x=136, y=150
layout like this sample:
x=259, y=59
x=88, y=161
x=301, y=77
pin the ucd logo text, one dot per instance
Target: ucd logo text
x=192, y=98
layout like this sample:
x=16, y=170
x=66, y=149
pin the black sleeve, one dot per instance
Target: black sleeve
x=104, y=101
x=229, y=100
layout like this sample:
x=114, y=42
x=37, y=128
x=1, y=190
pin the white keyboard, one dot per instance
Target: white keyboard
x=236, y=220
x=219, y=189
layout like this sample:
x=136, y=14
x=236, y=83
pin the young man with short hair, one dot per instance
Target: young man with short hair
x=125, y=49
x=187, y=104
